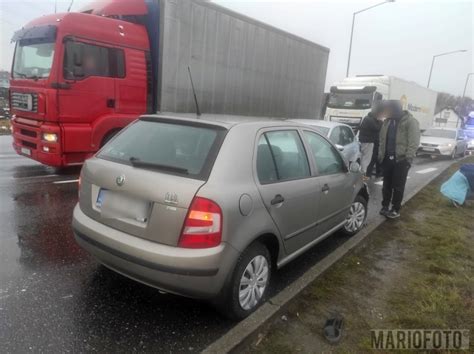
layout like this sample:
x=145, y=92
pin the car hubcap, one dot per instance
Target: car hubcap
x=253, y=282
x=356, y=217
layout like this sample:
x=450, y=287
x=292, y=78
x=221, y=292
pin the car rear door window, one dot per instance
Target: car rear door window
x=281, y=156
x=328, y=161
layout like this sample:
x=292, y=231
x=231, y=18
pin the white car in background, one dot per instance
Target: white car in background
x=341, y=135
x=443, y=142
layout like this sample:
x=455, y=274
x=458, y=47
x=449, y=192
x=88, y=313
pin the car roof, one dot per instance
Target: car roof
x=318, y=122
x=224, y=120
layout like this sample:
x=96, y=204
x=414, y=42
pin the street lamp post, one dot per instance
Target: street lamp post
x=439, y=55
x=465, y=85
x=352, y=30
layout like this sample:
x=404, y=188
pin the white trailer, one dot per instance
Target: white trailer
x=352, y=99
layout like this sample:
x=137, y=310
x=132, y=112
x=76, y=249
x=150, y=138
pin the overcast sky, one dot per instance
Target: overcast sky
x=397, y=39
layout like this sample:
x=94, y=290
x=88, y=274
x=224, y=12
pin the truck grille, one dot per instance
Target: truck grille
x=28, y=144
x=29, y=133
x=25, y=101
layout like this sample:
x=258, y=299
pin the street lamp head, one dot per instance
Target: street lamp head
x=463, y=50
x=389, y=0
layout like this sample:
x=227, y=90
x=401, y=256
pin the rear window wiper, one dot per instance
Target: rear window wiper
x=136, y=162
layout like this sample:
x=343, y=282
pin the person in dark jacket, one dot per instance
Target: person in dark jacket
x=399, y=141
x=369, y=139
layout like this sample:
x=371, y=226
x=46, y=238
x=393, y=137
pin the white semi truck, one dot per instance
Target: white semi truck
x=352, y=99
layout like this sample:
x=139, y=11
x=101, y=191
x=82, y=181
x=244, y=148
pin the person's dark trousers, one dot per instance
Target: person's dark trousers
x=394, y=179
x=374, y=162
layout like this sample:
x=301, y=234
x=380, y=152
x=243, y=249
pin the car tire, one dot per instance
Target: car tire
x=454, y=154
x=236, y=302
x=356, y=218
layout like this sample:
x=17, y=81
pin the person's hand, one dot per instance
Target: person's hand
x=409, y=162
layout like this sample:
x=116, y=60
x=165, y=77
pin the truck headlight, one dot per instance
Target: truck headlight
x=50, y=137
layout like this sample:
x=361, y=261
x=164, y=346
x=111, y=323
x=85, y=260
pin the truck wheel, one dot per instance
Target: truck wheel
x=356, y=218
x=249, y=284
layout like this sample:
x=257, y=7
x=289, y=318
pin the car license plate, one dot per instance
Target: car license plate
x=120, y=206
x=429, y=149
x=100, y=198
x=25, y=151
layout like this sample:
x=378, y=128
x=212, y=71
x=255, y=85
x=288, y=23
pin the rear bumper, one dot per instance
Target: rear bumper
x=194, y=273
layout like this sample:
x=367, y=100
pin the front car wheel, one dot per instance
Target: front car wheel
x=356, y=218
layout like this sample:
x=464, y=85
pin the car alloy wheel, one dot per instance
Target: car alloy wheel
x=253, y=282
x=356, y=217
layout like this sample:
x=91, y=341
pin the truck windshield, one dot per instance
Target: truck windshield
x=440, y=133
x=33, y=61
x=350, y=100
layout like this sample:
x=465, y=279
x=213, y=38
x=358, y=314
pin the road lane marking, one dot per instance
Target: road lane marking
x=426, y=170
x=68, y=181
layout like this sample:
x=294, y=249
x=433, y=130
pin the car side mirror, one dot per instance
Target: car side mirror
x=339, y=147
x=354, y=167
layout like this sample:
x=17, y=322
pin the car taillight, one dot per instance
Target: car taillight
x=202, y=227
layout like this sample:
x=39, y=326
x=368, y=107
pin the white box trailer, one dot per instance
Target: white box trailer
x=352, y=99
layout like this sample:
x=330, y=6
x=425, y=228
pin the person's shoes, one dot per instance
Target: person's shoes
x=384, y=211
x=393, y=214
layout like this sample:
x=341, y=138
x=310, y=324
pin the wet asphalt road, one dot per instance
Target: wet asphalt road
x=55, y=298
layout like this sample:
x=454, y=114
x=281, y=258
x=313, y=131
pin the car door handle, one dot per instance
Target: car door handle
x=325, y=188
x=277, y=200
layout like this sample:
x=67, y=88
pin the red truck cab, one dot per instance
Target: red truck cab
x=77, y=79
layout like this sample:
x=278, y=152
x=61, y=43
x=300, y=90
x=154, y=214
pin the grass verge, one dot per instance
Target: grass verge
x=416, y=272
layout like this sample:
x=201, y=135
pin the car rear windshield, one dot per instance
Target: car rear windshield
x=169, y=147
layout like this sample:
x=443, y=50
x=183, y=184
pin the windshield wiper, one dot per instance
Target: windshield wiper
x=136, y=162
x=20, y=74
